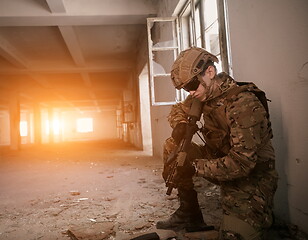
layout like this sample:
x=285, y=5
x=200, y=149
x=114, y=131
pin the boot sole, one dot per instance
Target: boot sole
x=189, y=227
x=175, y=227
x=199, y=228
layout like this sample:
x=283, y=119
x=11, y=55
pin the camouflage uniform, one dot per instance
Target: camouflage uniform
x=238, y=154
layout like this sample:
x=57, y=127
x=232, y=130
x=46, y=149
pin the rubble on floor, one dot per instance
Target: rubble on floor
x=96, y=191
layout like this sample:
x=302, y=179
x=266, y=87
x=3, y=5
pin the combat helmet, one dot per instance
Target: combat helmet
x=189, y=64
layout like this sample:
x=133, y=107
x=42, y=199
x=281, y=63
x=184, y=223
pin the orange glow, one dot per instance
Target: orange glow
x=23, y=128
x=85, y=125
x=47, y=127
x=56, y=127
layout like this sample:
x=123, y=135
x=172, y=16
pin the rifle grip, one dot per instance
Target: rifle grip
x=169, y=190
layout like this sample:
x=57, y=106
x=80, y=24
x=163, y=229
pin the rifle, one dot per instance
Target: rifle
x=178, y=158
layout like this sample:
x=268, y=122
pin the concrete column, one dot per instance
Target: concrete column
x=28, y=119
x=37, y=124
x=14, y=120
x=60, y=116
x=50, y=119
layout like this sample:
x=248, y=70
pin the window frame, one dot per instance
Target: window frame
x=184, y=30
x=223, y=37
x=179, y=95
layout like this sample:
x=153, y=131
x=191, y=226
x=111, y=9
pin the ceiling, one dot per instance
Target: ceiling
x=76, y=54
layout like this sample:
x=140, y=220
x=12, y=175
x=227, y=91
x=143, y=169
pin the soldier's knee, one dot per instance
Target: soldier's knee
x=229, y=235
x=235, y=228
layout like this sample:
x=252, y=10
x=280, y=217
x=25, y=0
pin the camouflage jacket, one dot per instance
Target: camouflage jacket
x=236, y=130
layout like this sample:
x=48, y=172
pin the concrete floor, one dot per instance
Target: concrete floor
x=94, y=190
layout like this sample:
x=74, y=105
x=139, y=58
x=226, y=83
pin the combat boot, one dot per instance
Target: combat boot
x=188, y=216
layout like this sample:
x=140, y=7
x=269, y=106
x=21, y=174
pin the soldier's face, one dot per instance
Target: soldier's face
x=209, y=75
x=207, y=87
x=199, y=93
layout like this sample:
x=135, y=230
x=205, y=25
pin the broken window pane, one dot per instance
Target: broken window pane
x=162, y=61
x=162, y=84
x=167, y=39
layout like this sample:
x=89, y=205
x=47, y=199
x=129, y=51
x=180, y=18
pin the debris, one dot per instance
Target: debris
x=142, y=180
x=74, y=193
x=172, y=197
x=109, y=199
x=91, y=231
x=141, y=225
x=54, y=211
x=80, y=199
x=166, y=234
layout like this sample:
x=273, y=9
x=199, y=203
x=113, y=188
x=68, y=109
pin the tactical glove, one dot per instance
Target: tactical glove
x=178, y=132
x=187, y=171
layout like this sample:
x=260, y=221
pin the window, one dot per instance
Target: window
x=55, y=127
x=163, y=44
x=23, y=125
x=198, y=26
x=210, y=30
x=84, y=125
x=186, y=27
x=200, y=23
x=204, y=26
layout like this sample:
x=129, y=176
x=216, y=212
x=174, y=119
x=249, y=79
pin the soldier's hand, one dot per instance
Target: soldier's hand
x=178, y=132
x=186, y=171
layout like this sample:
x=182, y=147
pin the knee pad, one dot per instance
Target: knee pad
x=237, y=229
x=229, y=235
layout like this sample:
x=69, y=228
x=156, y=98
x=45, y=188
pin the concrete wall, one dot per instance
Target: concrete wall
x=4, y=128
x=269, y=46
x=104, y=126
x=131, y=96
x=145, y=111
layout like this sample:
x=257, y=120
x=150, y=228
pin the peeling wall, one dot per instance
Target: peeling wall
x=269, y=46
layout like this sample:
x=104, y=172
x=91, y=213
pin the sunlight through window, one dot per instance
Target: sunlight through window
x=47, y=127
x=85, y=125
x=23, y=125
x=56, y=126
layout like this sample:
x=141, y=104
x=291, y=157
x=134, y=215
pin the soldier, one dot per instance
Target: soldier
x=238, y=154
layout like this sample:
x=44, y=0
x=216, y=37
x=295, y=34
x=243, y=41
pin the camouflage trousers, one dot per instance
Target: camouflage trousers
x=248, y=202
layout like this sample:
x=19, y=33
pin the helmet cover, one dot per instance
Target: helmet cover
x=189, y=64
